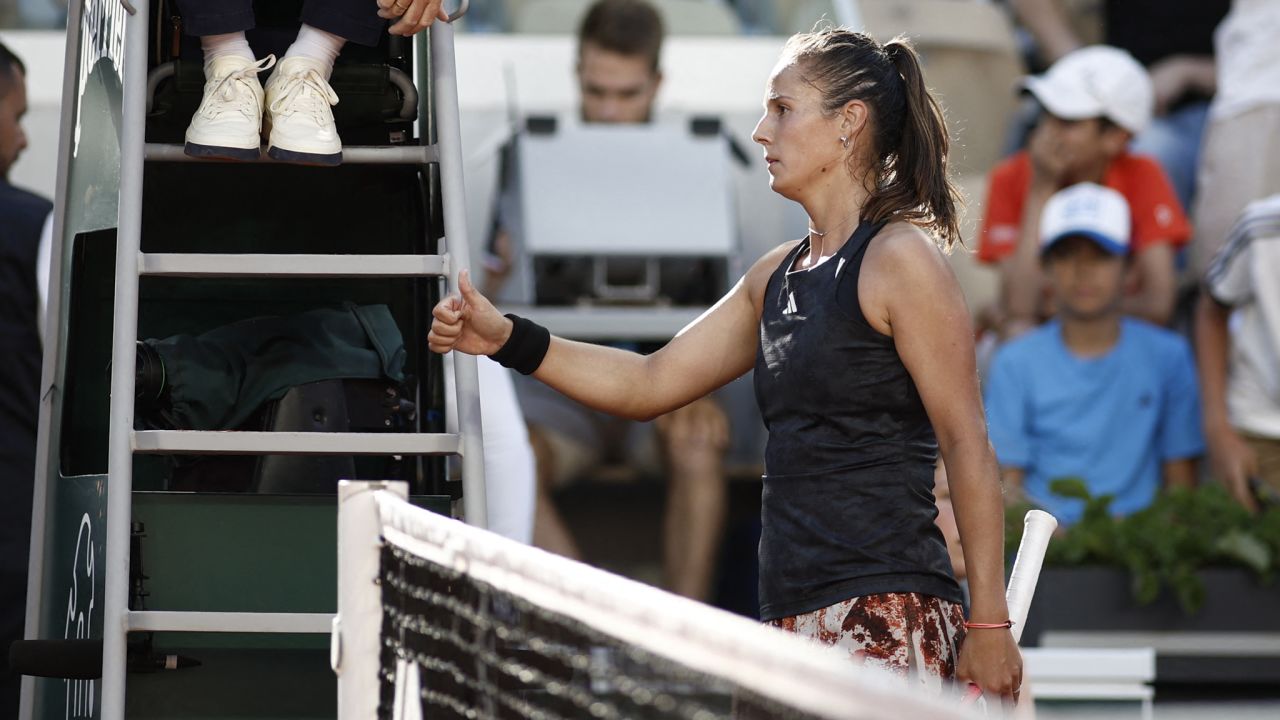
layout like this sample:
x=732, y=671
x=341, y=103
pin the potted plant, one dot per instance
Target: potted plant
x=1194, y=561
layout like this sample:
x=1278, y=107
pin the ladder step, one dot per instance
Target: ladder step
x=197, y=442
x=237, y=622
x=253, y=264
x=354, y=155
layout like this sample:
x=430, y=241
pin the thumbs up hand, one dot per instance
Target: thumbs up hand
x=467, y=321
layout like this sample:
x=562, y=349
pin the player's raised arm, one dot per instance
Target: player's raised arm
x=715, y=348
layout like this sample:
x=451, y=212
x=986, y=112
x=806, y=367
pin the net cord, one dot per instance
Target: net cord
x=788, y=669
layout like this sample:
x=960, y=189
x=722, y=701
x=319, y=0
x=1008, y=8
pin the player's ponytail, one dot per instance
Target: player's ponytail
x=913, y=181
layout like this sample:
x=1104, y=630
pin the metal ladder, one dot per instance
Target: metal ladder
x=131, y=264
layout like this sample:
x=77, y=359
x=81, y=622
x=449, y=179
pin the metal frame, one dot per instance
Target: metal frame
x=357, y=629
x=351, y=155
x=53, y=370
x=124, y=338
x=444, y=93
x=195, y=442
x=124, y=442
x=310, y=266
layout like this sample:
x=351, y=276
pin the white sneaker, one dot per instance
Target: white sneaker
x=228, y=123
x=298, y=102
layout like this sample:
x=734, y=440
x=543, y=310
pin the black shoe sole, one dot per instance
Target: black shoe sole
x=302, y=158
x=218, y=152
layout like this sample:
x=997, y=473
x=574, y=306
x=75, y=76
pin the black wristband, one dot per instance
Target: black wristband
x=524, y=350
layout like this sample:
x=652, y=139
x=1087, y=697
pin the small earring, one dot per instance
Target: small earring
x=844, y=141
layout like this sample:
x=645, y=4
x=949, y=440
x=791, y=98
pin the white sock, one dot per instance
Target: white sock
x=318, y=45
x=216, y=46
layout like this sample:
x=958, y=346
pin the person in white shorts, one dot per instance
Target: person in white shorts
x=1240, y=161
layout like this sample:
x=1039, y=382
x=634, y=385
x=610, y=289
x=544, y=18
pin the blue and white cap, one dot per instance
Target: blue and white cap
x=1087, y=210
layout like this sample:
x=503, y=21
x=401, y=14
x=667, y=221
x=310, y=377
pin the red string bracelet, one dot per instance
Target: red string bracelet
x=987, y=626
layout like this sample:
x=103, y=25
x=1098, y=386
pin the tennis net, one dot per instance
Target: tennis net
x=438, y=619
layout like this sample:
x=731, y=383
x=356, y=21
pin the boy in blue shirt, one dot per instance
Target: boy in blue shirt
x=1091, y=394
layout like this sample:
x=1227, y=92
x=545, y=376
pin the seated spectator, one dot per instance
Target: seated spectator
x=1173, y=39
x=228, y=123
x=1240, y=162
x=1240, y=361
x=1094, y=99
x=618, y=78
x=1092, y=394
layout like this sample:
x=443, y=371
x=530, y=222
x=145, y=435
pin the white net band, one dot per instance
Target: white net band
x=492, y=628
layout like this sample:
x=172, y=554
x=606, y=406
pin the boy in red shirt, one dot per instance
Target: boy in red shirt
x=1095, y=100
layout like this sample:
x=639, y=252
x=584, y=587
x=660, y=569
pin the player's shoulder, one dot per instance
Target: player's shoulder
x=771, y=260
x=902, y=249
x=757, y=277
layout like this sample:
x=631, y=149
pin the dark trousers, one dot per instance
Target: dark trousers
x=355, y=20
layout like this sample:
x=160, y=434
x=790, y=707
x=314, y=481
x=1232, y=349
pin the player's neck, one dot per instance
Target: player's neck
x=833, y=214
x=1090, y=336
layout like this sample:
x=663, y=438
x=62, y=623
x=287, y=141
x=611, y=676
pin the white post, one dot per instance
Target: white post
x=357, y=628
x=466, y=381
x=115, y=606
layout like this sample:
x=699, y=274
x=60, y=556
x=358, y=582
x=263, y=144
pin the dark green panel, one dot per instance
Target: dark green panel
x=238, y=552
x=242, y=552
x=236, y=684
x=73, y=584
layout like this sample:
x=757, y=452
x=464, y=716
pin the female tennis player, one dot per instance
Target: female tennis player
x=864, y=370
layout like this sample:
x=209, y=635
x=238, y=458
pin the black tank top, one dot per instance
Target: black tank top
x=848, y=506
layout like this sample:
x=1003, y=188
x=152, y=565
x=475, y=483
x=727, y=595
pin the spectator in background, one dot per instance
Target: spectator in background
x=1240, y=360
x=618, y=76
x=1093, y=394
x=23, y=217
x=1241, y=158
x=1173, y=39
x=1095, y=100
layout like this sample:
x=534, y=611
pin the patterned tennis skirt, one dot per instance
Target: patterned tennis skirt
x=914, y=636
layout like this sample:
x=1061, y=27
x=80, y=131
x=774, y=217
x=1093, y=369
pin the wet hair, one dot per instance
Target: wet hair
x=10, y=66
x=909, y=142
x=626, y=27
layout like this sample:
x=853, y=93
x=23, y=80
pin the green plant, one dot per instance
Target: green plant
x=1164, y=545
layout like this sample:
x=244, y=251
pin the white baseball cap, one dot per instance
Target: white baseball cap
x=1096, y=81
x=1086, y=210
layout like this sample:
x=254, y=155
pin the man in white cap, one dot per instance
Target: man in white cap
x=1093, y=394
x=1094, y=101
